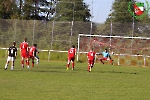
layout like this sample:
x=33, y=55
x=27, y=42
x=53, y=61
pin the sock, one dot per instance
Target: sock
x=102, y=61
x=88, y=68
x=68, y=65
x=110, y=61
x=6, y=65
x=73, y=65
x=32, y=64
x=37, y=61
x=27, y=62
x=12, y=67
x=22, y=62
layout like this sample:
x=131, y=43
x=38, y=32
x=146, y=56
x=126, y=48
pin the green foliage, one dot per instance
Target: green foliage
x=42, y=33
x=58, y=56
x=3, y=53
x=43, y=55
x=7, y=9
x=53, y=56
x=75, y=10
x=83, y=57
x=121, y=13
x=121, y=22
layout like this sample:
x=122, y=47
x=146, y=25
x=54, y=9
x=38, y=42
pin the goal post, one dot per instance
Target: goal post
x=137, y=49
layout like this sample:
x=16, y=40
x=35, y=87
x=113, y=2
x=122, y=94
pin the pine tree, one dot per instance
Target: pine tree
x=7, y=8
x=70, y=10
x=122, y=22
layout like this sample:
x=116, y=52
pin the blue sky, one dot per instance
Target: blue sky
x=100, y=9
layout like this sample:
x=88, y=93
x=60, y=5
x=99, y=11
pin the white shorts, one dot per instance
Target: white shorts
x=108, y=58
x=10, y=58
x=36, y=57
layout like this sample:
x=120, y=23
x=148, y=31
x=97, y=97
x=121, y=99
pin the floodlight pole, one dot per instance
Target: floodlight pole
x=15, y=29
x=110, y=30
x=91, y=23
x=52, y=33
x=72, y=23
x=33, y=32
x=110, y=27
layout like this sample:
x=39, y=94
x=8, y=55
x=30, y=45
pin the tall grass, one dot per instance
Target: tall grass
x=51, y=81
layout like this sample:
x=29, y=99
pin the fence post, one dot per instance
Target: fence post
x=49, y=55
x=144, y=61
x=118, y=59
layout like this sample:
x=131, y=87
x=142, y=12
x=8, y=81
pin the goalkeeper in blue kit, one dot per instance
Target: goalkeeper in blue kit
x=106, y=57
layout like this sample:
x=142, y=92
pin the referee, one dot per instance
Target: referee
x=12, y=53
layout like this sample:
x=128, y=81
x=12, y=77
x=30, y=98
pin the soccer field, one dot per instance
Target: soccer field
x=51, y=81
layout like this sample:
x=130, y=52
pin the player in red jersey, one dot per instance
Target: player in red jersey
x=71, y=56
x=24, y=47
x=32, y=53
x=91, y=58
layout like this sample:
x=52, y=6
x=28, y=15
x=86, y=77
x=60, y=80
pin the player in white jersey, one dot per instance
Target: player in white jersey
x=36, y=56
x=12, y=53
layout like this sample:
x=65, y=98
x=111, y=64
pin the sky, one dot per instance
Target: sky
x=100, y=9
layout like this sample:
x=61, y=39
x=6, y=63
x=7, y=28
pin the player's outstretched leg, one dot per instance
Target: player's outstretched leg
x=101, y=60
x=111, y=62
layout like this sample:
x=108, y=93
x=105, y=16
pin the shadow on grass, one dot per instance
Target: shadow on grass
x=40, y=71
x=48, y=71
x=60, y=69
x=116, y=72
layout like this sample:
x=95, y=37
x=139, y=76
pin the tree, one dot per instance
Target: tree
x=120, y=12
x=121, y=22
x=36, y=9
x=7, y=8
x=70, y=10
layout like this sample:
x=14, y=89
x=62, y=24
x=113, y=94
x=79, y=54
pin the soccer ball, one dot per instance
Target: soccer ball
x=112, y=53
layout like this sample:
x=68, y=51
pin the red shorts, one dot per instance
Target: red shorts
x=24, y=54
x=71, y=58
x=105, y=58
x=31, y=56
x=91, y=62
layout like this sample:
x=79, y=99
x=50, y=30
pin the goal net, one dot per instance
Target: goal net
x=126, y=50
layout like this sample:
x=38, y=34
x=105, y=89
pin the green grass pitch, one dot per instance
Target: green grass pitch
x=51, y=81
